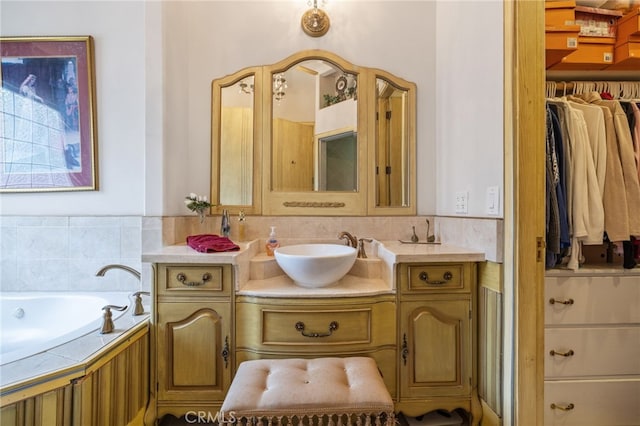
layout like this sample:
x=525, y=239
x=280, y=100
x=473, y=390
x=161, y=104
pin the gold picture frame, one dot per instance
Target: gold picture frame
x=47, y=114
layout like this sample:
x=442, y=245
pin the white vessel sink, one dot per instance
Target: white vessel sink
x=315, y=265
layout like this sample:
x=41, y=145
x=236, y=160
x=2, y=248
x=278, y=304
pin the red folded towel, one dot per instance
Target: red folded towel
x=209, y=243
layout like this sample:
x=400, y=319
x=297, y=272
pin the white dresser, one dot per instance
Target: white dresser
x=592, y=347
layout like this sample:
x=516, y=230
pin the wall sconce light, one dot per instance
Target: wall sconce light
x=315, y=21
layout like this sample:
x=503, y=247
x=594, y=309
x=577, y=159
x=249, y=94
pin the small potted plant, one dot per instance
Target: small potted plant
x=197, y=203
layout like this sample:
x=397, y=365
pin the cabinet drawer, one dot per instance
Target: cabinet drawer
x=213, y=280
x=429, y=278
x=317, y=328
x=592, y=300
x=305, y=327
x=593, y=402
x=598, y=351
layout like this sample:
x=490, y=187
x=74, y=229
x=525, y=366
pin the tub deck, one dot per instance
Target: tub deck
x=57, y=366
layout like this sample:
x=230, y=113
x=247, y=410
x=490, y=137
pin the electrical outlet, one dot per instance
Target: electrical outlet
x=462, y=198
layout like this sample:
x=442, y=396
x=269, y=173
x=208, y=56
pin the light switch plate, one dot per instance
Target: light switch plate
x=493, y=200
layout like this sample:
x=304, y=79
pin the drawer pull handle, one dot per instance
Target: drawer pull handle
x=568, y=353
x=568, y=407
x=333, y=325
x=183, y=279
x=425, y=277
x=562, y=302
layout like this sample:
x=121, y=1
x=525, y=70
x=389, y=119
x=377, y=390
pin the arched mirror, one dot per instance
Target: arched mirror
x=236, y=142
x=393, y=149
x=303, y=137
x=315, y=157
x=314, y=130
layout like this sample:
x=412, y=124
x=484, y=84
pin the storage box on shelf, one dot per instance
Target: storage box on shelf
x=628, y=27
x=560, y=41
x=627, y=50
x=593, y=53
x=559, y=13
x=595, y=22
x=627, y=56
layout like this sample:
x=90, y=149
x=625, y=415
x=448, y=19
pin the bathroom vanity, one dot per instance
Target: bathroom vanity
x=411, y=307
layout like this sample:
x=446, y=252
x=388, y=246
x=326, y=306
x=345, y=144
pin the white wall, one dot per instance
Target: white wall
x=206, y=40
x=155, y=62
x=469, y=115
x=118, y=31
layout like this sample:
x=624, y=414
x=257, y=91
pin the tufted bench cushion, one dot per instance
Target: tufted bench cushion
x=332, y=391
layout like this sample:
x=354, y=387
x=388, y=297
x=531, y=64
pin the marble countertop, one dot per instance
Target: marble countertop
x=182, y=253
x=393, y=251
x=398, y=252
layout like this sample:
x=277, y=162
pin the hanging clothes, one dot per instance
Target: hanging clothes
x=636, y=134
x=595, y=145
x=620, y=145
x=557, y=224
x=584, y=199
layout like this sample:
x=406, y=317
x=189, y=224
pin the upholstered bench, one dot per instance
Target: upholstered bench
x=320, y=391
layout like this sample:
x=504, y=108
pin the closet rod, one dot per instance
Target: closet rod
x=618, y=89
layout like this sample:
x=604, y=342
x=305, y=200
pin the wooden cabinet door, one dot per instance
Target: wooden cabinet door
x=435, y=348
x=193, y=351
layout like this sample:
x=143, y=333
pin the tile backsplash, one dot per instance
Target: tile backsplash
x=484, y=234
x=63, y=253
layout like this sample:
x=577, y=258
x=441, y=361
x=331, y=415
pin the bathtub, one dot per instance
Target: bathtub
x=34, y=322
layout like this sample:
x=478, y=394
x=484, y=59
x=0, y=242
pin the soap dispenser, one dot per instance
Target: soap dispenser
x=272, y=242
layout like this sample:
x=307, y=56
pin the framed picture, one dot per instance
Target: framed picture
x=47, y=114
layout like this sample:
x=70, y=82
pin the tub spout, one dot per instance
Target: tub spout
x=129, y=269
x=107, y=323
x=139, y=309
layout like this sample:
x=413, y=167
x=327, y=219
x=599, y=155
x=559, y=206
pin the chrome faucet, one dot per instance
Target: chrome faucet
x=107, y=323
x=129, y=269
x=350, y=240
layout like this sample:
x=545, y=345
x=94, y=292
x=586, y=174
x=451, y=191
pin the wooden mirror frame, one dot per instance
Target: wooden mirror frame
x=265, y=201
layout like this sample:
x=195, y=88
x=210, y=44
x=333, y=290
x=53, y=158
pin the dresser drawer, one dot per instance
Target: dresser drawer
x=317, y=328
x=212, y=280
x=591, y=402
x=592, y=352
x=592, y=300
x=434, y=277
